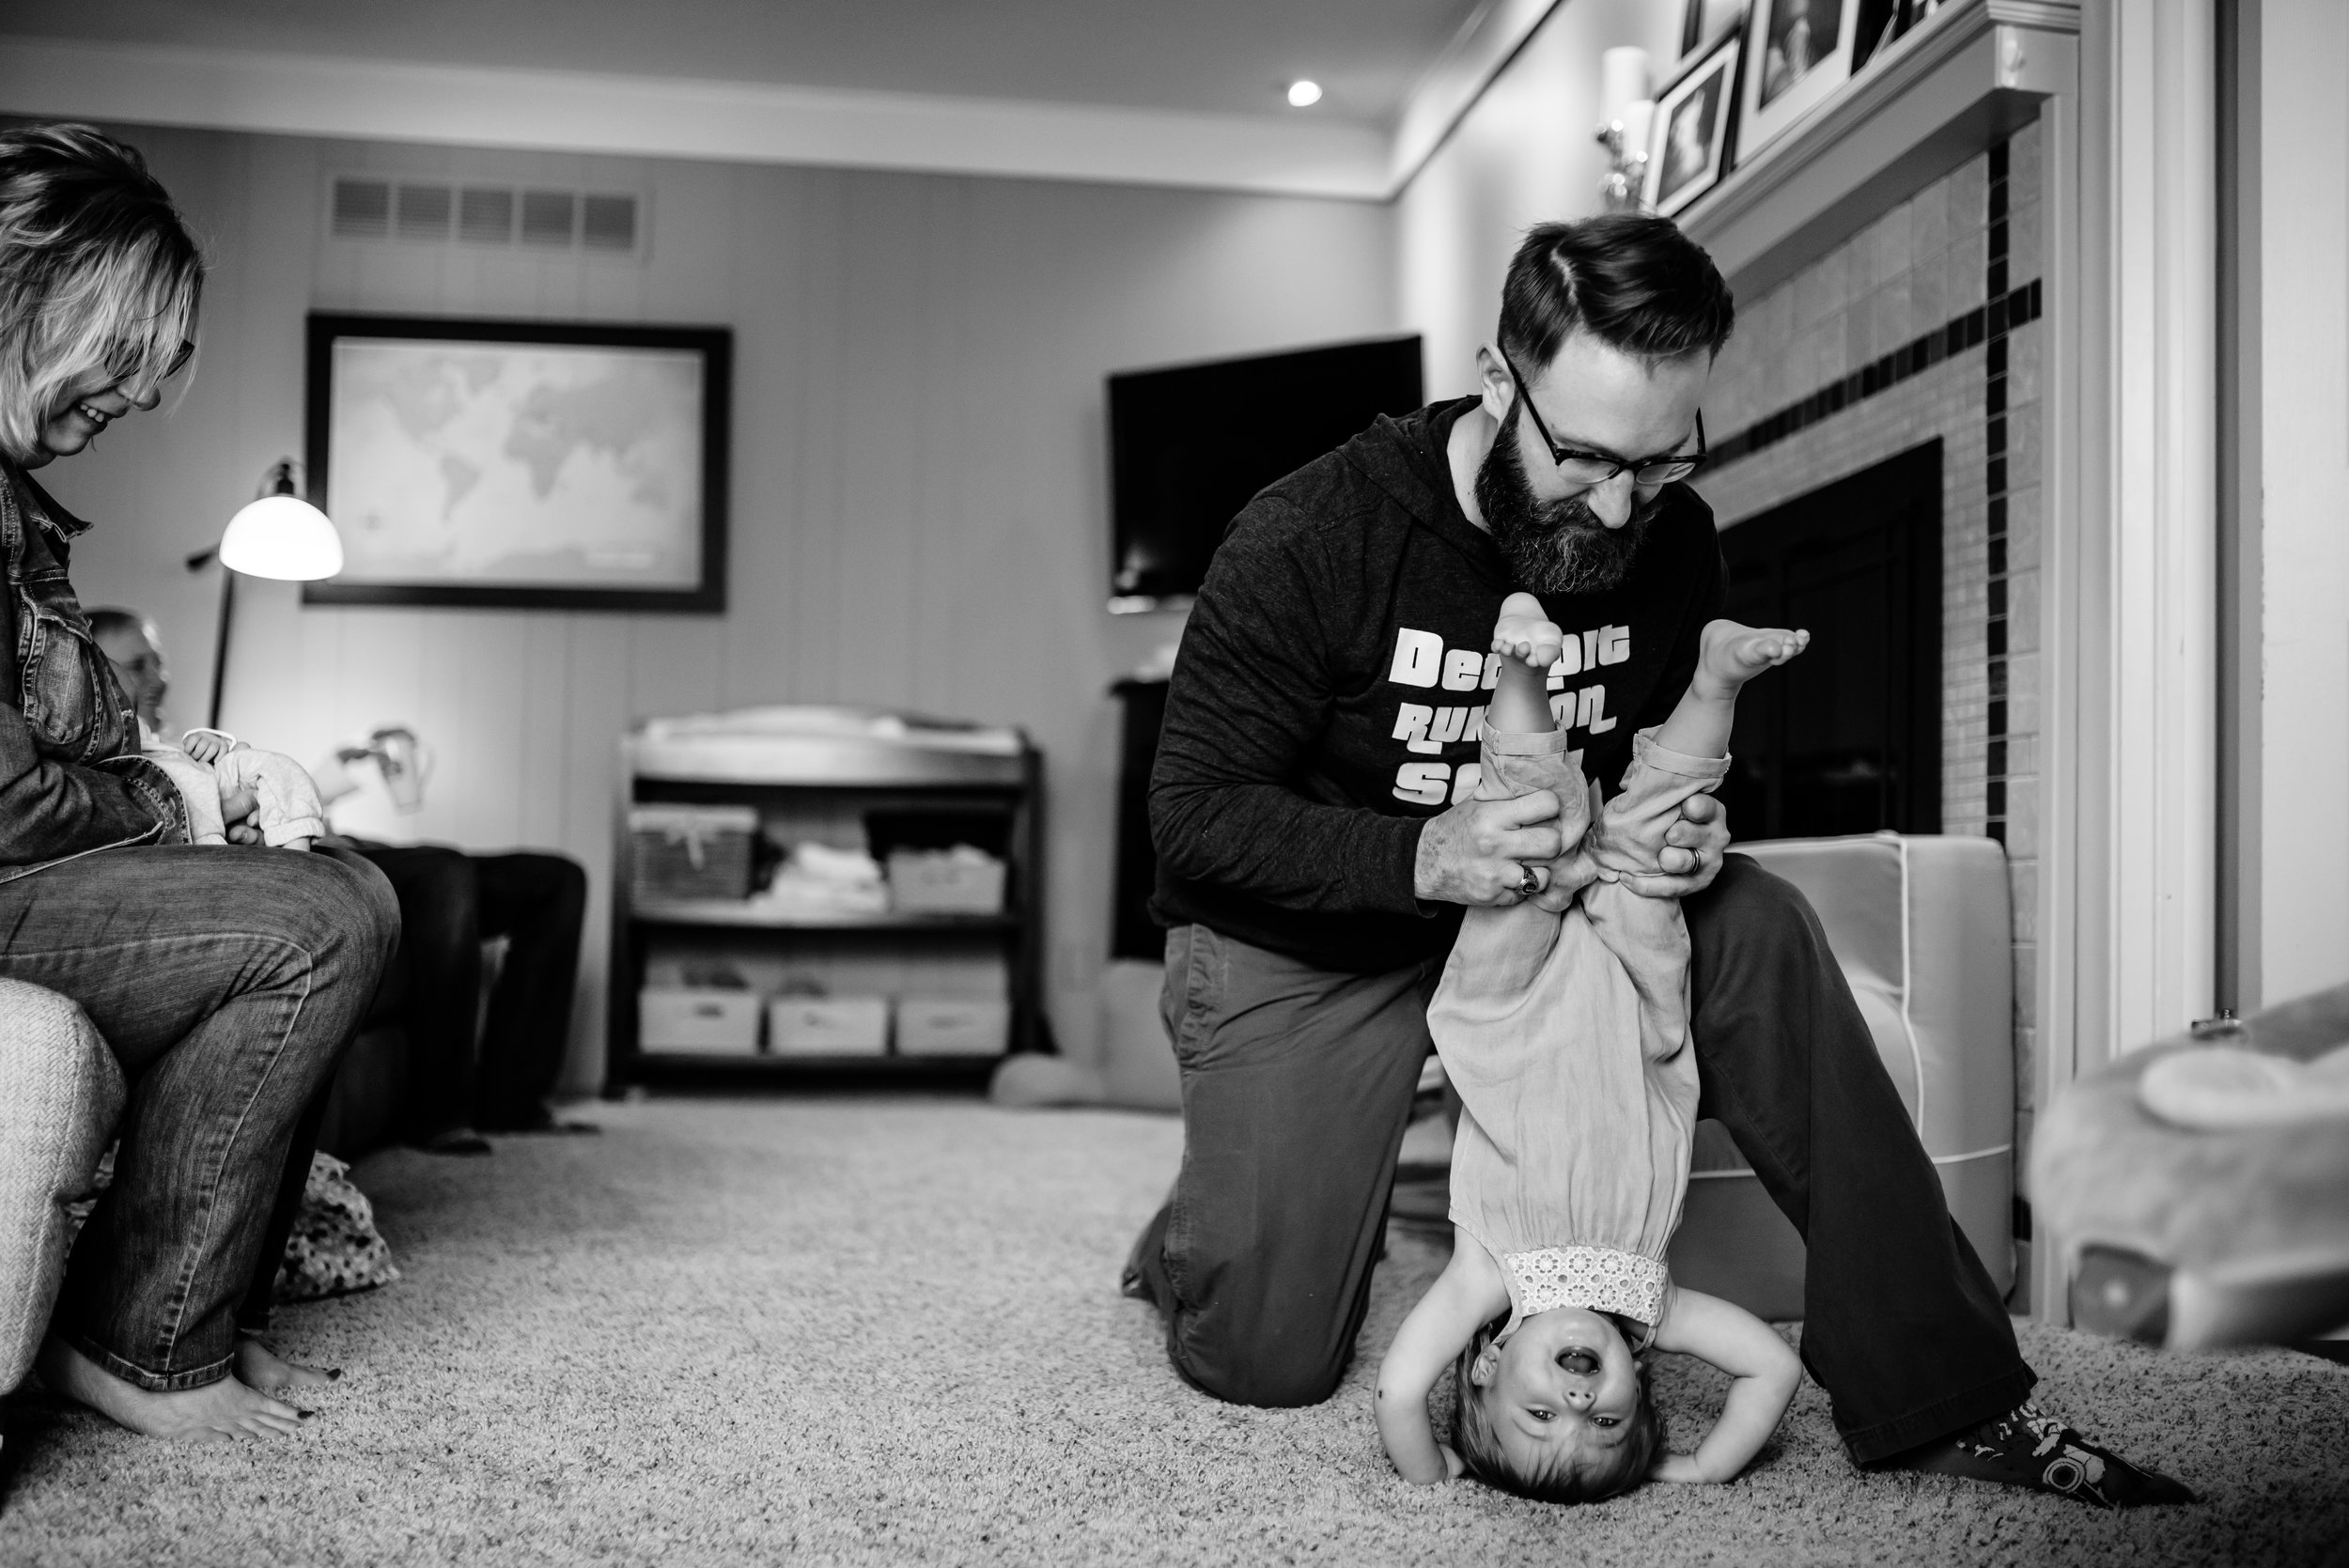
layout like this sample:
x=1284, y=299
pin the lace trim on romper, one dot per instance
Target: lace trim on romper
x=1599, y=1279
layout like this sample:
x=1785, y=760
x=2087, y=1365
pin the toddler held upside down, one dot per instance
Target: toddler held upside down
x=1567, y=1036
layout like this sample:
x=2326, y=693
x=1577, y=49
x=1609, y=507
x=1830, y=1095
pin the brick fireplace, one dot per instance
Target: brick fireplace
x=1925, y=327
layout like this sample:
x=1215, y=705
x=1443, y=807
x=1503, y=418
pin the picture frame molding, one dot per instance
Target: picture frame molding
x=716, y=345
x=1731, y=41
x=1758, y=125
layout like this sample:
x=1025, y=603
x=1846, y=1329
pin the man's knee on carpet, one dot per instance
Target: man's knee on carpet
x=1239, y=1369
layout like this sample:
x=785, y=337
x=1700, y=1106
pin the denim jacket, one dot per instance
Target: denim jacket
x=71, y=779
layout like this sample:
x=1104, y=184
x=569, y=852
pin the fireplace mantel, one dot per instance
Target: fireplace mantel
x=1974, y=73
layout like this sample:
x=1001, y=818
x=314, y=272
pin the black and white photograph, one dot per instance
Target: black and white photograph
x=1693, y=129
x=1799, y=52
x=1404, y=782
x=1876, y=26
x=1701, y=21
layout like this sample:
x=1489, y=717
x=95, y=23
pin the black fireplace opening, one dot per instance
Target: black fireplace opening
x=1846, y=738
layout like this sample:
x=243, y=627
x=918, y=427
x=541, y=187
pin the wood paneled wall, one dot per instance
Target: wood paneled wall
x=920, y=471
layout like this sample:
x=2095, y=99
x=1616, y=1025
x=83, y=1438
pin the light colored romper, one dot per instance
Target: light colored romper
x=286, y=801
x=1567, y=1036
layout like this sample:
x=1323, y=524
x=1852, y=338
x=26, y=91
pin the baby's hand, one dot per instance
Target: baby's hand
x=1523, y=632
x=208, y=745
x=1731, y=655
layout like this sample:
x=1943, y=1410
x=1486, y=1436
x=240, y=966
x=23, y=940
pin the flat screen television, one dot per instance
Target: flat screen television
x=1190, y=444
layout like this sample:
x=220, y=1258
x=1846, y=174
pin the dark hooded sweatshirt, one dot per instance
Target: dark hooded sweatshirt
x=1326, y=698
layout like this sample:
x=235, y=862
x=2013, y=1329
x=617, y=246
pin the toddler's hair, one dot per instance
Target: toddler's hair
x=1613, y=1471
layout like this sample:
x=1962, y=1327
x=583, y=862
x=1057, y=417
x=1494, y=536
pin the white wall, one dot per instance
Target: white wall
x=2304, y=307
x=1523, y=155
x=918, y=512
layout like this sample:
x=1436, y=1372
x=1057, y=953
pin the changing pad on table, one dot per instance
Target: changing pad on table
x=2250, y=1221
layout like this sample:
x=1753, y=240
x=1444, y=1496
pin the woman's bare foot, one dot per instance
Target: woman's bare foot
x=1731, y=655
x=212, y=1413
x=259, y=1366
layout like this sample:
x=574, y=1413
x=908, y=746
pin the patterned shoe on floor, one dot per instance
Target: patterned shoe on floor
x=2024, y=1447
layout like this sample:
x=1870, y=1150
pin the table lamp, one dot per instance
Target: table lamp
x=276, y=534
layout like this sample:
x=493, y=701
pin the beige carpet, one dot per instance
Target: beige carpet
x=886, y=1331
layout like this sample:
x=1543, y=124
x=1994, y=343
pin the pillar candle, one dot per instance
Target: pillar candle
x=1623, y=81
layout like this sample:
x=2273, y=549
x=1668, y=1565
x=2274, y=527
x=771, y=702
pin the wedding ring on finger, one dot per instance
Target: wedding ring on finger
x=1528, y=881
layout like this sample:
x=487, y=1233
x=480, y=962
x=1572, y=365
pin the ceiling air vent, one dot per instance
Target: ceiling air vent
x=431, y=212
x=549, y=217
x=608, y=223
x=422, y=212
x=363, y=208
x=485, y=217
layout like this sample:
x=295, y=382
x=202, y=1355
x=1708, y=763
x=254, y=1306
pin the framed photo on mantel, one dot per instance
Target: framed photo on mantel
x=1797, y=52
x=531, y=464
x=1694, y=132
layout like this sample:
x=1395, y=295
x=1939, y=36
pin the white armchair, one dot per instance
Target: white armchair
x=1924, y=928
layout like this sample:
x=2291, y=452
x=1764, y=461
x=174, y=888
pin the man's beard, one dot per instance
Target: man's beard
x=1555, y=547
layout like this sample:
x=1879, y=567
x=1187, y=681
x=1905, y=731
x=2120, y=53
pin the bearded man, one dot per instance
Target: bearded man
x=1319, y=832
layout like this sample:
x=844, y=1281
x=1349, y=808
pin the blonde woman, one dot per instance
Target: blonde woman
x=226, y=982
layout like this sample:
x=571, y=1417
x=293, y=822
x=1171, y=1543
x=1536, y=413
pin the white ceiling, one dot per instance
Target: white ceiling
x=1177, y=92
x=1206, y=56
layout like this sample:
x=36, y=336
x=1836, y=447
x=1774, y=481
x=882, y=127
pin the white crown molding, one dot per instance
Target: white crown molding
x=642, y=116
x=1479, y=53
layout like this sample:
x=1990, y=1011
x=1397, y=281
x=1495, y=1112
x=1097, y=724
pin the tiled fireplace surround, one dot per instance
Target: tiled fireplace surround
x=1926, y=324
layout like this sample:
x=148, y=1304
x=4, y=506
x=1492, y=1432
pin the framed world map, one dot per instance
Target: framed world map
x=520, y=463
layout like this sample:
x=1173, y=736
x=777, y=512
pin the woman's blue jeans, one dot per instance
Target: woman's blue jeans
x=227, y=980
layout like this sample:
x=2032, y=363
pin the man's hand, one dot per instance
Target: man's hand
x=1692, y=852
x=1477, y=852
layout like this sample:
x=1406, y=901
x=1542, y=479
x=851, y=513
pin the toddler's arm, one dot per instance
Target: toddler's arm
x=1766, y=1373
x=1466, y=1295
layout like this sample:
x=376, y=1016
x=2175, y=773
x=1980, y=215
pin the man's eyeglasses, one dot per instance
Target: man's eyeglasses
x=1577, y=467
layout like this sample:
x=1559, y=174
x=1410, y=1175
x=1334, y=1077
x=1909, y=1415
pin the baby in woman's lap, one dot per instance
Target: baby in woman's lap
x=210, y=764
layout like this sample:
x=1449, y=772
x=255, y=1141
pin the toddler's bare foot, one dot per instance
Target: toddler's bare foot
x=1731, y=655
x=1525, y=634
x=261, y=1367
x=214, y=1413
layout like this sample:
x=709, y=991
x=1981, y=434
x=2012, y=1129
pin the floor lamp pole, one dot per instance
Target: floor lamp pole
x=220, y=643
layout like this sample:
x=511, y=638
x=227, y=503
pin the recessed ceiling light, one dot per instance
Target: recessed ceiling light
x=1304, y=94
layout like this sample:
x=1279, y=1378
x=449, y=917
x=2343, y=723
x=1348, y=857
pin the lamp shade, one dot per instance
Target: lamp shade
x=282, y=536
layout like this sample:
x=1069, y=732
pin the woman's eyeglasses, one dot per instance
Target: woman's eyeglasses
x=1577, y=467
x=123, y=362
